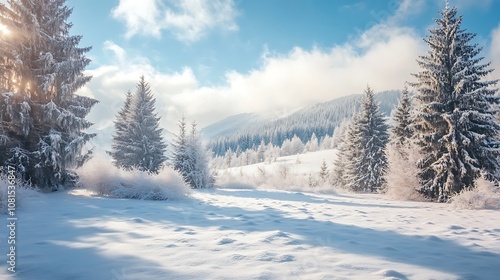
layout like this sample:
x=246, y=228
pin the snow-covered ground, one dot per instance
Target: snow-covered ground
x=297, y=164
x=251, y=234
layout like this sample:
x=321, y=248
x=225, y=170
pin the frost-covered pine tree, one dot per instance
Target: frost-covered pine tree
x=312, y=145
x=190, y=159
x=296, y=145
x=402, y=130
x=286, y=148
x=44, y=119
x=323, y=172
x=180, y=155
x=200, y=175
x=339, y=134
x=146, y=148
x=456, y=109
x=120, y=146
x=401, y=178
x=367, y=138
x=346, y=152
x=261, y=152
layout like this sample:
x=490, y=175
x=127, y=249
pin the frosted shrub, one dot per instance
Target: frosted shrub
x=401, y=176
x=101, y=177
x=484, y=196
x=23, y=190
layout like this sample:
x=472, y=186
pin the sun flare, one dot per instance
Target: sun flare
x=4, y=30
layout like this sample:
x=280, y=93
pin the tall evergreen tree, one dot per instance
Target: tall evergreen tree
x=367, y=139
x=402, y=130
x=121, y=138
x=146, y=148
x=43, y=120
x=455, y=114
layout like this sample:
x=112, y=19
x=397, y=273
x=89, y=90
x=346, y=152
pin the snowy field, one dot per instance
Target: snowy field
x=252, y=234
x=298, y=164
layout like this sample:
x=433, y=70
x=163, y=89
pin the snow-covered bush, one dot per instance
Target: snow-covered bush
x=485, y=196
x=101, y=177
x=402, y=181
x=23, y=190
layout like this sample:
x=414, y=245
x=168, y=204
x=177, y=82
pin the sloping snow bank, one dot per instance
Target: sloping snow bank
x=101, y=177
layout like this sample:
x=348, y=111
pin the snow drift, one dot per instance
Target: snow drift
x=101, y=177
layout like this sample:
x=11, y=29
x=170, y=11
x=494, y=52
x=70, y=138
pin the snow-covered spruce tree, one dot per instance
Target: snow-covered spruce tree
x=323, y=172
x=312, y=145
x=338, y=134
x=200, y=176
x=402, y=153
x=180, y=154
x=121, y=139
x=367, y=139
x=261, y=152
x=402, y=130
x=190, y=159
x=296, y=145
x=345, y=152
x=44, y=120
x=456, y=125
x=228, y=158
x=146, y=148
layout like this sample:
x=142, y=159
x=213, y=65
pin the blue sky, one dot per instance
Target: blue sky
x=214, y=58
x=278, y=26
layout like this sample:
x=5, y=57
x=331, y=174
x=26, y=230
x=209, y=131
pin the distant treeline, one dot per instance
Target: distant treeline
x=320, y=119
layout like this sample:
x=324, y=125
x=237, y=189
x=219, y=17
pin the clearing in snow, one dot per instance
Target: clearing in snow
x=252, y=234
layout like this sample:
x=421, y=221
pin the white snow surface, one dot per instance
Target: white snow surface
x=299, y=164
x=251, y=234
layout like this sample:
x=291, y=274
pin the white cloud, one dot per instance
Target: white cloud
x=139, y=16
x=110, y=83
x=283, y=82
x=117, y=50
x=409, y=7
x=187, y=20
x=383, y=56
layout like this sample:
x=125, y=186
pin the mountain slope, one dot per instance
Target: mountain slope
x=231, y=124
x=320, y=119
